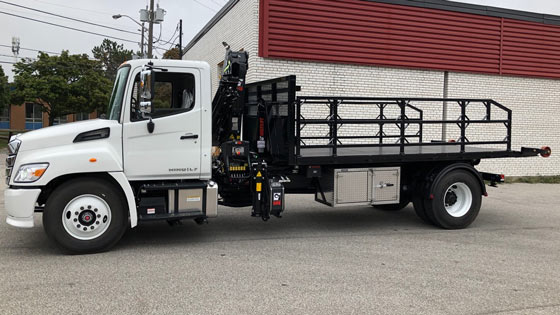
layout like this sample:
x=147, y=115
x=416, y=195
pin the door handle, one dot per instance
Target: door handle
x=189, y=136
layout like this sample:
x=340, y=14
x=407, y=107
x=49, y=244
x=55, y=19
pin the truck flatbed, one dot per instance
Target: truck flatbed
x=308, y=130
x=419, y=153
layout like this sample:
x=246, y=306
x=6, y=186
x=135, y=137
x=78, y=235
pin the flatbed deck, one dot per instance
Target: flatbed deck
x=420, y=153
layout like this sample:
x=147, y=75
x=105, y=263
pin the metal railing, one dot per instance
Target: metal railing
x=409, y=115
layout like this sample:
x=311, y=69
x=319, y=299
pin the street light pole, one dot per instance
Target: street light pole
x=118, y=16
x=142, y=42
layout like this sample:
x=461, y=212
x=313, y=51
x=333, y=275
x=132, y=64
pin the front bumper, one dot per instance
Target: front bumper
x=20, y=206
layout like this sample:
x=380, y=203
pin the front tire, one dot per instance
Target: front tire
x=456, y=202
x=85, y=215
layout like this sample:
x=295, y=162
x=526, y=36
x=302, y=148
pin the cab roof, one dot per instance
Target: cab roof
x=168, y=63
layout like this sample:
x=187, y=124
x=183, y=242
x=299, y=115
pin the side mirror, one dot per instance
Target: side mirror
x=147, y=83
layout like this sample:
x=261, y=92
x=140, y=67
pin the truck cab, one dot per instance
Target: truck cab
x=88, y=168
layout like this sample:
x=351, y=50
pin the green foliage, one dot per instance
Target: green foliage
x=4, y=90
x=111, y=55
x=62, y=85
x=172, y=53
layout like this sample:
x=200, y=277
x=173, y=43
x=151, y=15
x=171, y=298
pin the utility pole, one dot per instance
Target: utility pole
x=180, y=39
x=151, y=14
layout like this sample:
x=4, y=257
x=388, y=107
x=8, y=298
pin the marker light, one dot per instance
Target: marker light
x=30, y=172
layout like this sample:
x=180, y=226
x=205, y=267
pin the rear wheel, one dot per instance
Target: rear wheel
x=419, y=208
x=85, y=215
x=418, y=202
x=457, y=198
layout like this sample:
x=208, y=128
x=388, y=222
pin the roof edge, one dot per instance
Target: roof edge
x=431, y=4
x=217, y=17
x=478, y=9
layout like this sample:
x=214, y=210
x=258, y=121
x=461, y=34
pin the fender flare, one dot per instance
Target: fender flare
x=127, y=189
x=452, y=167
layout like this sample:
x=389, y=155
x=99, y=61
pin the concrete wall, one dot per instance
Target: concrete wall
x=535, y=102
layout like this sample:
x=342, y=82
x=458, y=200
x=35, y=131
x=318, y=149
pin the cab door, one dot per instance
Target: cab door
x=172, y=149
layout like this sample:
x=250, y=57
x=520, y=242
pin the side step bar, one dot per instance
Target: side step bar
x=195, y=214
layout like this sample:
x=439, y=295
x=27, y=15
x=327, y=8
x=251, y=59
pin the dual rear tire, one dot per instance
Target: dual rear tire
x=454, y=202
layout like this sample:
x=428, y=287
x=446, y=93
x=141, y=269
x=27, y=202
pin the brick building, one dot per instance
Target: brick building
x=396, y=48
x=29, y=116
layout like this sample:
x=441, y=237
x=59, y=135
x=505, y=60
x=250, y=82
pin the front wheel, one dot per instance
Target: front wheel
x=456, y=200
x=85, y=215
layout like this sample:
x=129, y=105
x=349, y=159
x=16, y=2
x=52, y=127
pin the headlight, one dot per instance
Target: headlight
x=13, y=146
x=29, y=173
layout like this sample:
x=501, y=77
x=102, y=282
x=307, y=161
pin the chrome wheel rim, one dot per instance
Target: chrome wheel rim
x=458, y=199
x=86, y=217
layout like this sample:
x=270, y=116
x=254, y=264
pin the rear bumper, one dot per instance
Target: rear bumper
x=20, y=206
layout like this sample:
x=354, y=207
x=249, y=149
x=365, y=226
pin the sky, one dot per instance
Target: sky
x=194, y=13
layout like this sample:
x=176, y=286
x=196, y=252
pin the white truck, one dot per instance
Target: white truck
x=167, y=150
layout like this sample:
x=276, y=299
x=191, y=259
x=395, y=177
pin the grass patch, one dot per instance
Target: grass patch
x=534, y=179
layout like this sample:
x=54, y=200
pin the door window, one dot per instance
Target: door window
x=173, y=93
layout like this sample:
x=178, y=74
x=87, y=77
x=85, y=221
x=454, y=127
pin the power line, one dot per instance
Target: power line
x=30, y=49
x=204, y=5
x=70, y=28
x=81, y=9
x=8, y=62
x=172, y=36
x=218, y=3
x=19, y=57
x=66, y=17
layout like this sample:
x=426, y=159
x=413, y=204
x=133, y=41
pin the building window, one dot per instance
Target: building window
x=82, y=116
x=5, y=118
x=33, y=116
x=60, y=120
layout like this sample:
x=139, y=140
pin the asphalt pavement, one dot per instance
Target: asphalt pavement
x=315, y=260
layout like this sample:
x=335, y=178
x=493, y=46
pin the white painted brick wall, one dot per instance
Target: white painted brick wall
x=535, y=102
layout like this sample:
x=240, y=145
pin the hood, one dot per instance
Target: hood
x=62, y=134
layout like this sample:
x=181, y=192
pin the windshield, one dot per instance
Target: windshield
x=115, y=104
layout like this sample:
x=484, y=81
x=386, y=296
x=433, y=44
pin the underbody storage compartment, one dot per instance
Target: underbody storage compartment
x=359, y=186
x=194, y=199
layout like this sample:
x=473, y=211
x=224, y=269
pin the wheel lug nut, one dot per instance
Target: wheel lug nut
x=95, y=209
x=78, y=226
x=97, y=222
x=92, y=227
x=85, y=228
x=99, y=215
x=75, y=220
x=81, y=208
x=76, y=213
x=89, y=207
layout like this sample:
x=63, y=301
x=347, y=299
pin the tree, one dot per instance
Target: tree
x=62, y=85
x=172, y=53
x=111, y=55
x=4, y=90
